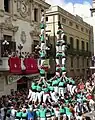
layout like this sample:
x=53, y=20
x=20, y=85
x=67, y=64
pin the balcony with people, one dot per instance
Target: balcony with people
x=8, y=51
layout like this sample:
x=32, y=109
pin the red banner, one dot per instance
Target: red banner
x=15, y=65
x=31, y=65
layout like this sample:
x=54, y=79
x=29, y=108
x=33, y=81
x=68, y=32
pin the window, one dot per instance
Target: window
x=59, y=18
x=77, y=62
x=71, y=62
x=86, y=30
x=77, y=26
x=11, y=46
x=82, y=44
x=87, y=62
x=65, y=38
x=87, y=46
x=63, y=20
x=7, y=5
x=7, y=37
x=35, y=14
x=71, y=42
x=46, y=18
x=77, y=44
x=70, y=23
x=82, y=29
x=82, y=62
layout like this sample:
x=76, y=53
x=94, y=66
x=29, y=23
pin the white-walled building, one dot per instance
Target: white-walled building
x=91, y=21
x=78, y=34
x=19, y=23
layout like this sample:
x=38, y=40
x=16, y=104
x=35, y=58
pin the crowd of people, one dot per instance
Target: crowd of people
x=57, y=99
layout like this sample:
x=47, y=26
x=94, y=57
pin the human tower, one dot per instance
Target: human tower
x=59, y=89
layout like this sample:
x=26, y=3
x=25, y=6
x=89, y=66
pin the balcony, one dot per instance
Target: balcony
x=75, y=52
x=4, y=64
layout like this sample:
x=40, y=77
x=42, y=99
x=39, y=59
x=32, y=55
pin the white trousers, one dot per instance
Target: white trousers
x=78, y=117
x=63, y=61
x=34, y=96
x=53, y=97
x=39, y=95
x=73, y=90
x=61, y=91
x=42, y=118
x=70, y=88
x=57, y=61
x=56, y=89
x=92, y=104
x=45, y=97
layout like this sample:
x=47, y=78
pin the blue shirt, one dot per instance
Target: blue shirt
x=31, y=115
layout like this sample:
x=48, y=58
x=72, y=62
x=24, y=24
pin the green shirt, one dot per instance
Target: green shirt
x=19, y=114
x=24, y=115
x=34, y=87
x=51, y=88
x=52, y=112
x=55, y=82
x=68, y=112
x=45, y=89
x=37, y=113
x=38, y=88
x=62, y=110
x=61, y=84
x=42, y=113
x=72, y=81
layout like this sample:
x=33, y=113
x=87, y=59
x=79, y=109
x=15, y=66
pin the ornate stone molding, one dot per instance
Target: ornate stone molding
x=23, y=37
x=23, y=7
x=7, y=25
x=43, y=3
x=35, y=32
x=1, y=13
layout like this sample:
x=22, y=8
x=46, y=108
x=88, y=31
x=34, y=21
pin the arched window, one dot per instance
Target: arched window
x=35, y=14
x=71, y=42
x=83, y=45
x=72, y=62
x=65, y=38
x=7, y=5
x=77, y=43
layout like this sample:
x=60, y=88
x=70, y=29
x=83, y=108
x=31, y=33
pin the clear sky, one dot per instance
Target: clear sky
x=78, y=1
x=79, y=7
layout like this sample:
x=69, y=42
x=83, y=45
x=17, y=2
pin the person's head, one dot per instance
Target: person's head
x=31, y=109
x=23, y=109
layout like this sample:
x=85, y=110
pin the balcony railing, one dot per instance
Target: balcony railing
x=78, y=52
x=4, y=64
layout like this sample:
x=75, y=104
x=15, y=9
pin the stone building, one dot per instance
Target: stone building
x=79, y=36
x=19, y=23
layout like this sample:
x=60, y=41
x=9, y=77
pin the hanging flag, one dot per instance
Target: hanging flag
x=15, y=65
x=31, y=66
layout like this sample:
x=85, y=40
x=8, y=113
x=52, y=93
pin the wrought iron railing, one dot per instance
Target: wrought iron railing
x=79, y=52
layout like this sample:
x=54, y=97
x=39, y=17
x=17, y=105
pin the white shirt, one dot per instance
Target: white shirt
x=2, y=112
x=13, y=111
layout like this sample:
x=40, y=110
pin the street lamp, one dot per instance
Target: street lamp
x=20, y=46
x=5, y=42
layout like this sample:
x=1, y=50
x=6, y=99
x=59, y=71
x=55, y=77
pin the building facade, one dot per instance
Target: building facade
x=78, y=35
x=19, y=24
